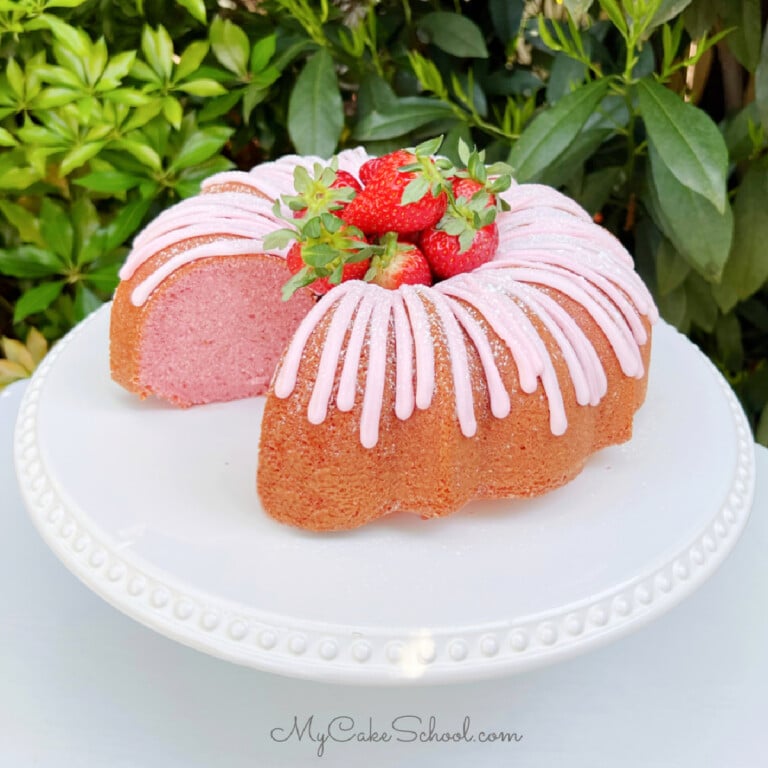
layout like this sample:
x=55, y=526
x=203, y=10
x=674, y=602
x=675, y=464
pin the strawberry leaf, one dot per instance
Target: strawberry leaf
x=279, y=238
x=415, y=191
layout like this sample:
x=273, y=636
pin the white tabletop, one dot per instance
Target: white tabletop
x=83, y=685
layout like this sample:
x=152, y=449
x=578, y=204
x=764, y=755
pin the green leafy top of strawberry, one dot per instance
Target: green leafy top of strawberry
x=494, y=178
x=465, y=216
x=320, y=192
x=431, y=172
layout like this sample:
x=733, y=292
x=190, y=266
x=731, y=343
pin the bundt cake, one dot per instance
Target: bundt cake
x=493, y=383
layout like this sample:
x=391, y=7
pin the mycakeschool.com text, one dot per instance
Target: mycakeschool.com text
x=401, y=729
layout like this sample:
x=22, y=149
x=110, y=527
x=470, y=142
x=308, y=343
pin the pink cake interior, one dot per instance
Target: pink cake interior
x=221, y=316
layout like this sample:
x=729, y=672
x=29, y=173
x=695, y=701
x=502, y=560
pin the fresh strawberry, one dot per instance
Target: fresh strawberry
x=398, y=264
x=405, y=192
x=350, y=271
x=326, y=190
x=445, y=256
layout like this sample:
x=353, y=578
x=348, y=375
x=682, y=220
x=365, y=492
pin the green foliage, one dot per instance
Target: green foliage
x=651, y=113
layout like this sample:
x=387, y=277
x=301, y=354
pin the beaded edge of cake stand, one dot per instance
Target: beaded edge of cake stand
x=310, y=649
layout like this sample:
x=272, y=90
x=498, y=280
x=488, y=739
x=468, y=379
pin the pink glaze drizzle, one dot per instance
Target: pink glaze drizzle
x=556, y=247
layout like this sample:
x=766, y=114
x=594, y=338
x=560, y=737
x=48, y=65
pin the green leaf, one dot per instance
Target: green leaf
x=36, y=299
x=747, y=268
x=565, y=74
x=262, y=51
x=29, y=261
x=668, y=9
x=202, y=87
x=702, y=307
x=729, y=344
x=761, y=433
x=56, y=228
x=744, y=40
x=577, y=8
x=671, y=269
x=145, y=154
x=86, y=301
x=86, y=221
x=686, y=140
x=701, y=233
x=230, y=45
x=15, y=76
x=104, y=278
x=127, y=221
x=506, y=16
x=553, y=130
x=195, y=7
x=400, y=118
x=761, y=82
x=25, y=222
x=201, y=145
x=453, y=34
x=315, y=110
x=7, y=139
x=191, y=59
x=79, y=156
x=172, y=111
x=157, y=47
x=109, y=181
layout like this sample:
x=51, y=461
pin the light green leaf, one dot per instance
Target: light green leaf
x=230, y=45
x=701, y=234
x=36, y=299
x=200, y=146
x=686, y=140
x=29, y=261
x=19, y=178
x=79, y=156
x=15, y=76
x=157, y=47
x=315, y=110
x=552, y=131
x=145, y=154
x=74, y=39
x=172, y=111
x=7, y=139
x=195, y=7
x=400, y=118
x=747, y=268
x=453, y=33
x=109, y=181
x=203, y=87
x=118, y=66
x=577, y=8
x=191, y=59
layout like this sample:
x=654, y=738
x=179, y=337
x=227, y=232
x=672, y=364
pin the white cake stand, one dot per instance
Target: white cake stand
x=155, y=510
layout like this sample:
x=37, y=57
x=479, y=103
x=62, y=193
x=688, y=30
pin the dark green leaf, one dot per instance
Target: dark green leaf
x=597, y=187
x=453, y=34
x=744, y=40
x=564, y=75
x=406, y=115
x=36, y=299
x=747, y=268
x=104, y=278
x=550, y=134
x=29, y=261
x=25, y=222
x=668, y=9
x=761, y=83
x=702, y=307
x=219, y=105
x=729, y=344
x=57, y=229
x=700, y=17
x=701, y=234
x=86, y=301
x=686, y=140
x=506, y=16
x=761, y=433
x=674, y=308
x=315, y=110
x=127, y=221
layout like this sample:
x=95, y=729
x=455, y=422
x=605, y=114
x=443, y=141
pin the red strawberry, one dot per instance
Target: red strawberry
x=398, y=201
x=399, y=264
x=371, y=167
x=467, y=188
x=350, y=271
x=446, y=257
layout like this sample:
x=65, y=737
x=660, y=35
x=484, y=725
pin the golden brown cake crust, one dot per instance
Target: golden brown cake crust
x=322, y=478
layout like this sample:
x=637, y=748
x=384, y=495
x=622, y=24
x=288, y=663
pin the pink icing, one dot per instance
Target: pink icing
x=556, y=245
